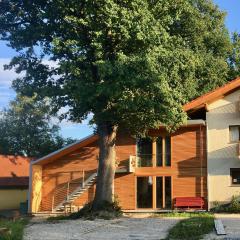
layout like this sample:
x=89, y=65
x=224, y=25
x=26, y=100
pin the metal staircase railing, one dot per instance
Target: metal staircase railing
x=70, y=191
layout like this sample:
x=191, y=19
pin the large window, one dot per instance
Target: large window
x=168, y=193
x=144, y=152
x=154, y=192
x=235, y=176
x=159, y=149
x=150, y=156
x=159, y=186
x=234, y=133
x=144, y=192
x=167, y=151
x=163, y=148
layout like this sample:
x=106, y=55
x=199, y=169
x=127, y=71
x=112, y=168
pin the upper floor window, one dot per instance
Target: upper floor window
x=149, y=156
x=235, y=175
x=144, y=152
x=234, y=133
x=163, y=148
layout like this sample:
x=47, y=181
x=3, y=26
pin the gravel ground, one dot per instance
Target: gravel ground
x=119, y=229
x=231, y=223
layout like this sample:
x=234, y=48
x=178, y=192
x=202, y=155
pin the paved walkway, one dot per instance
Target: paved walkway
x=231, y=223
x=119, y=229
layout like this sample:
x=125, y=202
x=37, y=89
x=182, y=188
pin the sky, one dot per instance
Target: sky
x=78, y=131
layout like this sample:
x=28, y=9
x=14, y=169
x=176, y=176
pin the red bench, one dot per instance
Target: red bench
x=189, y=202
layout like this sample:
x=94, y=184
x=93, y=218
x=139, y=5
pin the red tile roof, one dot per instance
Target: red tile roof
x=14, y=171
x=213, y=95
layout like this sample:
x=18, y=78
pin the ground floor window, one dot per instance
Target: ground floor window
x=154, y=192
x=235, y=175
x=144, y=192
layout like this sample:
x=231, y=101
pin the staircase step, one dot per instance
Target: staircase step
x=78, y=192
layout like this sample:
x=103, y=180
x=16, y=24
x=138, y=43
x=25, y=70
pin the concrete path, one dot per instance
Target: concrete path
x=231, y=224
x=119, y=229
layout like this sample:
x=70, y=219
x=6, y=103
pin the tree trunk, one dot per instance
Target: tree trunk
x=106, y=165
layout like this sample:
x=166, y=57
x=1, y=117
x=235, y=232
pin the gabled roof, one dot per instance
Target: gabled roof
x=213, y=95
x=66, y=150
x=14, y=171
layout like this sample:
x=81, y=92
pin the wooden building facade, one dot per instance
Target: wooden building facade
x=151, y=173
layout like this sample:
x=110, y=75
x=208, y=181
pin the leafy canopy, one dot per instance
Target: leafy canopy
x=25, y=129
x=129, y=62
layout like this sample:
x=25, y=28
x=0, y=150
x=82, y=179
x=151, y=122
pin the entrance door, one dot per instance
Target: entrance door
x=154, y=192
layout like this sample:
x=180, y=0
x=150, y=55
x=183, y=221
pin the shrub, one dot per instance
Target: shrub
x=232, y=207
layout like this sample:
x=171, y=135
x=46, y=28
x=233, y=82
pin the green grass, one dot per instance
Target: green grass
x=192, y=228
x=181, y=214
x=16, y=229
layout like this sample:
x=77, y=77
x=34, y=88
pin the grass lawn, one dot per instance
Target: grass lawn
x=16, y=229
x=192, y=228
x=181, y=214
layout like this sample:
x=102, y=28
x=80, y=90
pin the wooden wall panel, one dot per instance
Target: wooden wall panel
x=124, y=189
x=57, y=173
x=188, y=170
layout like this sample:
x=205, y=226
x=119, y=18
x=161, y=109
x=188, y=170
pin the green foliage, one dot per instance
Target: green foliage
x=235, y=56
x=26, y=129
x=232, y=207
x=130, y=63
x=177, y=214
x=15, y=227
x=192, y=228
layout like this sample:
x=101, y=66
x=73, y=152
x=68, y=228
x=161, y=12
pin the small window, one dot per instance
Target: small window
x=235, y=175
x=234, y=133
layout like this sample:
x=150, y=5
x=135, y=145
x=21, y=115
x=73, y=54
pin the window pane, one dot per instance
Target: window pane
x=144, y=192
x=144, y=152
x=159, y=183
x=168, y=151
x=168, y=192
x=234, y=133
x=235, y=174
x=159, y=151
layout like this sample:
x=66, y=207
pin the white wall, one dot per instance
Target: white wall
x=222, y=155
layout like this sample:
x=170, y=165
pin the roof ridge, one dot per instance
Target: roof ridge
x=218, y=89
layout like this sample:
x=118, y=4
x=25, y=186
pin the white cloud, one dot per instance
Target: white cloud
x=6, y=76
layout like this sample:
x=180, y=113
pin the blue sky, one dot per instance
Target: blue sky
x=68, y=129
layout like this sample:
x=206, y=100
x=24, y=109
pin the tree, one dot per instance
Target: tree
x=234, y=59
x=132, y=63
x=25, y=129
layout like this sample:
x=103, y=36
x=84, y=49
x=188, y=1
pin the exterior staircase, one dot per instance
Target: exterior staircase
x=69, y=199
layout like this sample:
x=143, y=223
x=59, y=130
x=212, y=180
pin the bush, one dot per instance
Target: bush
x=232, y=207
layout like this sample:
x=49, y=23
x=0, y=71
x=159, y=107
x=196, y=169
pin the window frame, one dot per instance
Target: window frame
x=229, y=133
x=232, y=170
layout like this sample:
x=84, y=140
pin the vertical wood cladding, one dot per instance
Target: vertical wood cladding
x=188, y=168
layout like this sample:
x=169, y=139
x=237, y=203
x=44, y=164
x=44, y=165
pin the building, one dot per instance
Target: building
x=150, y=174
x=201, y=159
x=222, y=107
x=14, y=179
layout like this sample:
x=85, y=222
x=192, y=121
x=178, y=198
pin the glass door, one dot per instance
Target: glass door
x=154, y=192
x=144, y=192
